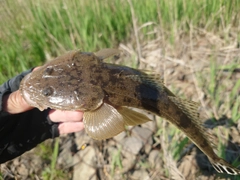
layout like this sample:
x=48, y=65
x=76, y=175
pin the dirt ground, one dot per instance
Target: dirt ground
x=143, y=152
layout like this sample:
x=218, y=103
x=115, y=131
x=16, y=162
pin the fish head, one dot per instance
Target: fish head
x=64, y=83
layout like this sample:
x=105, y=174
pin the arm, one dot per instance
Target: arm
x=23, y=127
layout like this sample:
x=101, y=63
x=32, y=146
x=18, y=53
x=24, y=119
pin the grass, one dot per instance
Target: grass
x=50, y=156
x=33, y=31
x=52, y=173
x=217, y=89
x=116, y=162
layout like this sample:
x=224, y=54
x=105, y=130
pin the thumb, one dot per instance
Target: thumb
x=14, y=103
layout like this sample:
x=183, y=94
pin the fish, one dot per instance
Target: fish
x=107, y=93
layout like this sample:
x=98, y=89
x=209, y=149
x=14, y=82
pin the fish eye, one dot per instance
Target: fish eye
x=48, y=70
x=47, y=91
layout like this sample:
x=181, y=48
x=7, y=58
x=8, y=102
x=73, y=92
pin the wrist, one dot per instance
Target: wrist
x=5, y=103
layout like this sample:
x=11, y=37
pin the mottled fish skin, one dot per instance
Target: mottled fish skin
x=65, y=83
x=83, y=81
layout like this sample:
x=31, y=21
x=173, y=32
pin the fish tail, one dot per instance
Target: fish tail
x=221, y=166
x=200, y=137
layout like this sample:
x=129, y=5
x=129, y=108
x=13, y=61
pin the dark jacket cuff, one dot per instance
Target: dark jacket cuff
x=22, y=132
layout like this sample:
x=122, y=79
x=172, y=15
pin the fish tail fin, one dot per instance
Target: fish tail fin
x=221, y=166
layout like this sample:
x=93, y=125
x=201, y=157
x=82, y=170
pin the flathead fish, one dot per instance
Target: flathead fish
x=106, y=92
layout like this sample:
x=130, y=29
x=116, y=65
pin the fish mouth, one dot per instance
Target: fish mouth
x=27, y=97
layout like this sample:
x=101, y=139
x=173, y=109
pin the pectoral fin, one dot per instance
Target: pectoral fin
x=104, y=122
x=131, y=117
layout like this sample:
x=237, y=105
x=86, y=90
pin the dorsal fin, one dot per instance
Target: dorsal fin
x=153, y=80
x=190, y=108
x=152, y=76
x=106, y=53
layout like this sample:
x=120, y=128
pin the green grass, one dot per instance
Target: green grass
x=116, y=161
x=33, y=31
x=50, y=155
x=219, y=86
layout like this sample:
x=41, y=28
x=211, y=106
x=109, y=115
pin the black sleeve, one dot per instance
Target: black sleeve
x=22, y=132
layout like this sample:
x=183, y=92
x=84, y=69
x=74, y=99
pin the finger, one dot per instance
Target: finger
x=14, y=103
x=70, y=127
x=64, y=116
x=36, y=68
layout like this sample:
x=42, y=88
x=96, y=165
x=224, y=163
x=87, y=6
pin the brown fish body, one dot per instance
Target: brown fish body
x=82, y=81
x=130, y=87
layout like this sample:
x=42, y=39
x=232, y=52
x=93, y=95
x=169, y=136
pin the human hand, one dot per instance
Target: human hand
x=70, y=121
